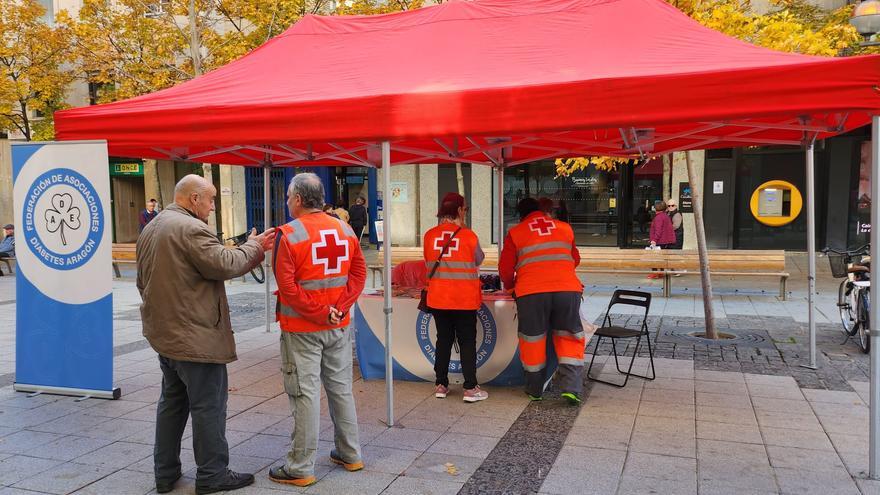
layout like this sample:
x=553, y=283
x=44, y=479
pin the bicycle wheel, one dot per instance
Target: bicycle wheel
x=864, y=326
x=258, y=274
x=848, y=314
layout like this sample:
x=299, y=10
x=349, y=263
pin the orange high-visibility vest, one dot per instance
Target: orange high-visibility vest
x=456, y=283
x=322, y=247
x=543, y=256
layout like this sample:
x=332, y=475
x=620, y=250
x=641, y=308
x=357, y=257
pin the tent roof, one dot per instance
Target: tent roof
x=490, y=81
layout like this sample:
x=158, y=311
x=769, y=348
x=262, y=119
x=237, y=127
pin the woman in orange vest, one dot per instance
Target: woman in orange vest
x=453, y=254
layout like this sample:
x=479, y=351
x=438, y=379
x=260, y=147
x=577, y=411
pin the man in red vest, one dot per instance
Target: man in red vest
x=320, y=272
x=538, y=265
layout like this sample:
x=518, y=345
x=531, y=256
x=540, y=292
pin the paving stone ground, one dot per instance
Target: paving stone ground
x=741, y=418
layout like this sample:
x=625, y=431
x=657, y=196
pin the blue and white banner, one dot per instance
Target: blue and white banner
x=414, y=336
x=64, y=302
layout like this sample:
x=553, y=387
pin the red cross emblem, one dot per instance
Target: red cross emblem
x=542, y=226
x=441, y=241
x=331, y=251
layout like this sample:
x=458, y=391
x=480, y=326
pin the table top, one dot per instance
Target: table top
x=416, y=293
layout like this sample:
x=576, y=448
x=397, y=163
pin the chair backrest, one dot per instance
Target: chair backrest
x=629, y=298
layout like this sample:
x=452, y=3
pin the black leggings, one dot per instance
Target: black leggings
x=455, y=325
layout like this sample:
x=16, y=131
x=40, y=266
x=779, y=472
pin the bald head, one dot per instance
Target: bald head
x=196, y=194
x=190, y=184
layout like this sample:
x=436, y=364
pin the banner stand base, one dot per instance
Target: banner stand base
x=73, y=392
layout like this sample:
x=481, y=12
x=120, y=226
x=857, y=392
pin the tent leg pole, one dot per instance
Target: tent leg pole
x=267, y=222
x=874, y=448
x=811, y=248
x=500, y=209
x=386, y=249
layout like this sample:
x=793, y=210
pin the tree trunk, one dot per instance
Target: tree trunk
x=697, y=199
x=25, y=121
x=667, y=177
x=459, y=176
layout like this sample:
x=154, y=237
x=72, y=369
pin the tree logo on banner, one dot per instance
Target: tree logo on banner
x=63, y=219
x=487, y=337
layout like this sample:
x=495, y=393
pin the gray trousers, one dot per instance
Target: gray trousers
x=309, y=359
x=200, y=389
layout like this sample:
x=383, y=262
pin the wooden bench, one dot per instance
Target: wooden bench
x=669, y=263
x=10, y=264
x=730, y=263
x=123, y=253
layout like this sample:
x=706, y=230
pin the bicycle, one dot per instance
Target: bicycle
x=257, y=272
x=854, y=293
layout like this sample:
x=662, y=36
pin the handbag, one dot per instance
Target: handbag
x=423, y=298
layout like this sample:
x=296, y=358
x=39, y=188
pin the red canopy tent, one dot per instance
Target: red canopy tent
x=499, y=82
x=462, y=81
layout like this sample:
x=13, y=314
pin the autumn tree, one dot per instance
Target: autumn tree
x=790, y=26
x=34, y=74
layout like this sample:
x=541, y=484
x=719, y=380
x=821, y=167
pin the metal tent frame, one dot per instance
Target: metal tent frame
x=497, y=152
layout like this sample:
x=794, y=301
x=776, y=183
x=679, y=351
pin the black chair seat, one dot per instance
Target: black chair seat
x=614, y=332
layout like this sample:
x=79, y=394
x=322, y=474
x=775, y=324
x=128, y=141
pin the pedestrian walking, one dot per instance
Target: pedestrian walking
x=320, y=272
x=358, y=216
x=181, y=269
x=538, y=265
x=453, y=256
x=677, y=222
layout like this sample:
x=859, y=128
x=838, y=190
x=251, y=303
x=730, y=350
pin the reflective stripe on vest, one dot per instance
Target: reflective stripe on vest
x=544, y=245
x=299, y=234
x=544, y=257
x=286, y=310
x=456, y=275
x=451, y=265
x=324, y=283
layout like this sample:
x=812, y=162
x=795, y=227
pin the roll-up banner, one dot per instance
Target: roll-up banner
x=64, y=301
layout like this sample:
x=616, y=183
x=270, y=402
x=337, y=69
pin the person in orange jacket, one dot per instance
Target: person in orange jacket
x=537, y=265
x=320, y=272
x=454, y=294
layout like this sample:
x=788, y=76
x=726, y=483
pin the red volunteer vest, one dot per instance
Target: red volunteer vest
x=322, y=247
x=456, y=283
x=543, y=256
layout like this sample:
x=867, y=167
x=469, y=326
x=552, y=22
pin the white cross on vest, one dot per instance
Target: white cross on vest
x=331, y=251
x=441, y=241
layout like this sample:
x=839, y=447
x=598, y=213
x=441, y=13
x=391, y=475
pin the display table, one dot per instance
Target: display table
x=413, y=336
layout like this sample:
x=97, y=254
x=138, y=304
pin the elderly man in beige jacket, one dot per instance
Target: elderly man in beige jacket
x=181, y=269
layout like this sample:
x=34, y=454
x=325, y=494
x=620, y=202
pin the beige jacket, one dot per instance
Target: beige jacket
x=181, y=268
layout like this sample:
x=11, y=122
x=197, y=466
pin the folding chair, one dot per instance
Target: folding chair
x=627, y=298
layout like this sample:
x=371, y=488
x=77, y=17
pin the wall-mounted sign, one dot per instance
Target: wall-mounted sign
x=685, y=198
x=718, y=187
x=127, y=168
x=399, y=192
x=776, y=203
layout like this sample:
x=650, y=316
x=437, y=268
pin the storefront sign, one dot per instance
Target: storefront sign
x=64, y=303
x=685, y=199
x=127, y=168
x=776, y=203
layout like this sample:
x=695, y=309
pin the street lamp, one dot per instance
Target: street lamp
x=866, y=20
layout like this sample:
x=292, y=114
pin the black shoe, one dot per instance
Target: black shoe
x=166, y=486
x=233, y=481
